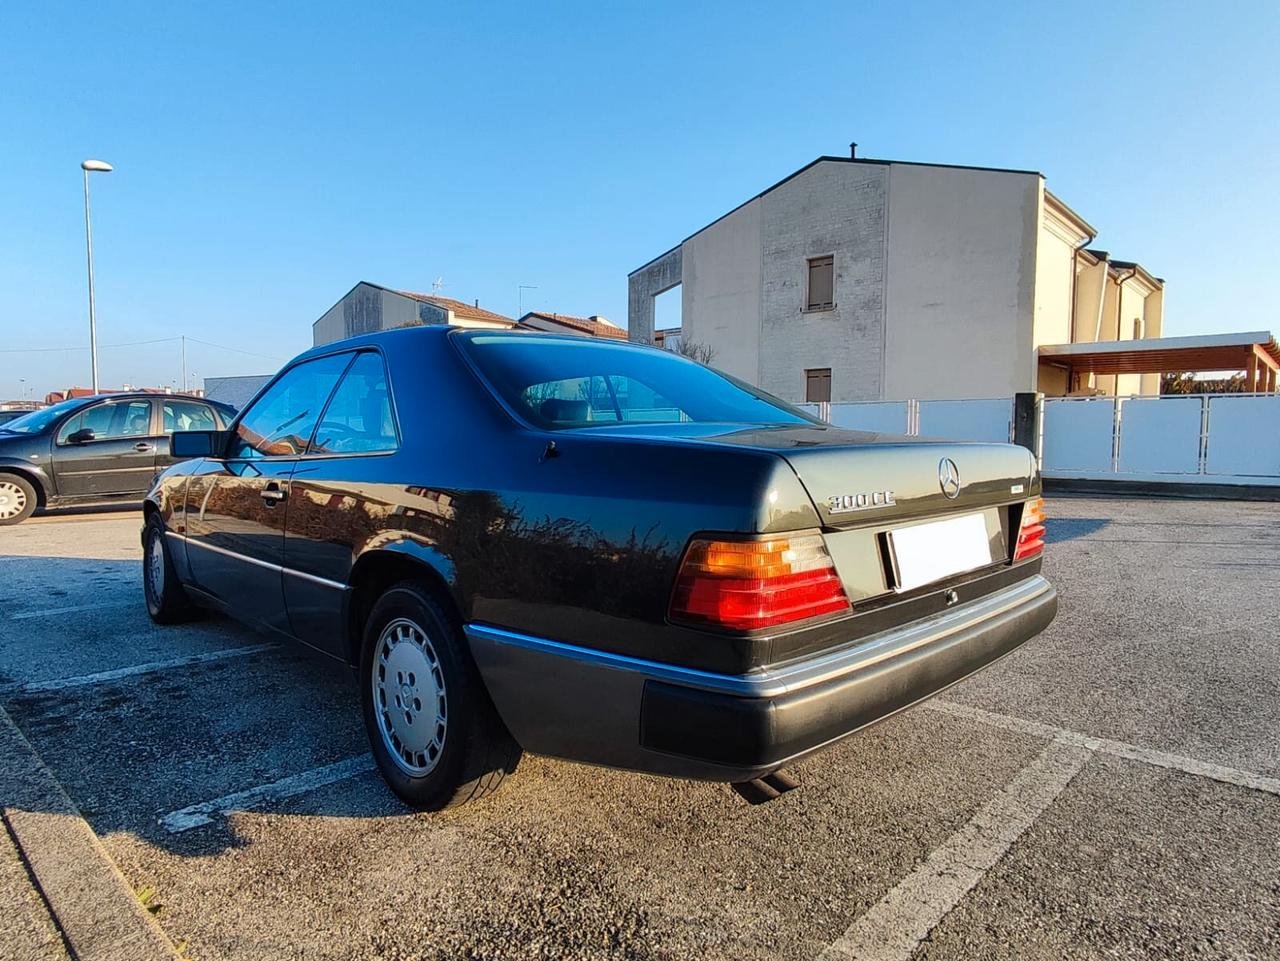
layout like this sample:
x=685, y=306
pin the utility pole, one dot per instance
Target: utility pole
x=184, y=363
x=97, y=166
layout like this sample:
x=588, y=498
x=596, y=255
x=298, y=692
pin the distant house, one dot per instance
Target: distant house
x=235, y=391
x=858, y=279
x=594, y=326
x=367, y=307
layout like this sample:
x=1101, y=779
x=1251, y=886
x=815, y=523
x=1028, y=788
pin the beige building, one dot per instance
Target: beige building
x=860, y=279
x=370, y=307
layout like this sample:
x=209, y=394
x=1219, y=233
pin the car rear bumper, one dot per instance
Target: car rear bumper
x=603, y=708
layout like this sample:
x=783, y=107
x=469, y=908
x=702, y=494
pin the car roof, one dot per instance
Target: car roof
x=144, y=395
x=423, y=332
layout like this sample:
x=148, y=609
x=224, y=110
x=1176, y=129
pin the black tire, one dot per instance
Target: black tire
x=17, y=499
x=477, y=752
x=167, y=601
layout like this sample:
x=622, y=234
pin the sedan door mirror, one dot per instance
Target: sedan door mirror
x=82, y=436
x=197, y=443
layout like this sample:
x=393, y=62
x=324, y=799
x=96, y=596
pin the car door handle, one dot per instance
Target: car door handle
x=272, y=495
x=142, y=447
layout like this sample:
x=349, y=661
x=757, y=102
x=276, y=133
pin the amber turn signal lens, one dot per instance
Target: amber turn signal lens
x=746, y=585
x=1031, y=531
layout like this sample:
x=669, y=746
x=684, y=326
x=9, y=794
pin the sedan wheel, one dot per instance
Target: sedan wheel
x=155, y=561
x=433, y=730
x=167, y=600
x=409, y=697
x=17, y=499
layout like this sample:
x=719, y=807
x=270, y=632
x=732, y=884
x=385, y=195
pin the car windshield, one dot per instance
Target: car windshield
x=38, y=421
x=568, y=382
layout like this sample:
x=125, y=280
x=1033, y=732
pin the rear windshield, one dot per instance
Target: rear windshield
x=567, y=382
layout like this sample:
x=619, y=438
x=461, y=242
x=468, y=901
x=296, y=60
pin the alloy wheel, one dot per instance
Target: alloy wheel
x=155, y=565
x=409, y=697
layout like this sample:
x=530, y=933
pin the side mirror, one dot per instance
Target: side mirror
x=82, y=436
x=197, y=443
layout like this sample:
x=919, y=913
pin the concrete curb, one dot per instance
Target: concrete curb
x=1132, y=488
x=88, y=898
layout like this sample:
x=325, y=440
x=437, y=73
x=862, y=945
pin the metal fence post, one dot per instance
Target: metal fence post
x=1115, y=437
x=1204, y=435
x=1027, y=427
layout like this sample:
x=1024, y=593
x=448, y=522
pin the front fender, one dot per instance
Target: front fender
x=32, y=472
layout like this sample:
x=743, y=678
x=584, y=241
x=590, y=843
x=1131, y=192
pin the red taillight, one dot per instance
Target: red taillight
x=1031, y=533
x=745, y=585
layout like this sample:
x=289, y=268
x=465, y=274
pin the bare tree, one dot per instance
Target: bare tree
x=703, y=353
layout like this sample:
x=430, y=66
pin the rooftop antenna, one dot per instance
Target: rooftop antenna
x=437, y=285
x=520, y=298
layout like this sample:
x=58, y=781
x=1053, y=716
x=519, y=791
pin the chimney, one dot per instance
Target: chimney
x=853, y=150
x=477, y=301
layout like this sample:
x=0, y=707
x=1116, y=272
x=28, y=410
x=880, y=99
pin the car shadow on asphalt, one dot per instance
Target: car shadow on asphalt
x=1059, y=529
x=137, y=721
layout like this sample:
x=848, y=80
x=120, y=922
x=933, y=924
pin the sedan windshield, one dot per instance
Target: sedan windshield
x=566, y=382
x=37, y=421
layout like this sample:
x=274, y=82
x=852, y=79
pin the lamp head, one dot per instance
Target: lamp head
x=99, y=166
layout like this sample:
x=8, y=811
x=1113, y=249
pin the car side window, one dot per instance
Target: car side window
x=358, y=419
x=111, y=420
x=188, y=415
x=280, y=422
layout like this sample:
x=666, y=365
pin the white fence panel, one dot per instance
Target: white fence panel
x=985, y=420
x=1160, y=435
x=1244, y=436
x=1077, y=434
x=886, y=417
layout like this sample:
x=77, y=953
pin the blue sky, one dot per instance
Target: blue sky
x=269, y=156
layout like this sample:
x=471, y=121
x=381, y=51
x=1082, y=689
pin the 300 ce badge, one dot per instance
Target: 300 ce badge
x=862, y=501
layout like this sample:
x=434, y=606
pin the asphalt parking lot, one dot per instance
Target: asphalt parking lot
x=1111, y=790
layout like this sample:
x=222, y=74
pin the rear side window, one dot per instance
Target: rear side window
x=280, y=422
x=358, y=419
x=188, y=415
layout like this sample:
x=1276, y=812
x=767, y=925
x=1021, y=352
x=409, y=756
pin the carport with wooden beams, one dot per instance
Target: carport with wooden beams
x=1256, y=353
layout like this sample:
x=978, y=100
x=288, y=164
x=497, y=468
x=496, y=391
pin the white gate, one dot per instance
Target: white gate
x=1199, y=438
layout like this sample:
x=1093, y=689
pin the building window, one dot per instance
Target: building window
x=817, y=385
x=822, y=284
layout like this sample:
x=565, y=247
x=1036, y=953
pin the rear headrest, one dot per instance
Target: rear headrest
x=374, y=411
x=574, y=411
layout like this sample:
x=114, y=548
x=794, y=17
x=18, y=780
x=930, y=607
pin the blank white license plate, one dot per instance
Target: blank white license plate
x=929, y=552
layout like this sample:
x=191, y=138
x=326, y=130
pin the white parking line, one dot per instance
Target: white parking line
x=81, y=680
x=894, y=927
x=198, y=814
x=48, y=612
x=1175, y=762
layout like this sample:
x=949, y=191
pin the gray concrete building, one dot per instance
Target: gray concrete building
x=861, y=279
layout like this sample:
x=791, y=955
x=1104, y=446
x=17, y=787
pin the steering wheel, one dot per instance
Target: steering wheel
x=329, y=431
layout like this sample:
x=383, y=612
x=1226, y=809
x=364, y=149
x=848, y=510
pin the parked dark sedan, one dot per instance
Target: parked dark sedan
x=95, y=450
x=594, y=550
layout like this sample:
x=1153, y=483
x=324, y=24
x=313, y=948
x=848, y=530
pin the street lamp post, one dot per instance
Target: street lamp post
x=95, y=166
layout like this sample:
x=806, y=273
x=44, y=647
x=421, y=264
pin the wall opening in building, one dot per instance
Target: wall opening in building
x=821, y=283
x=668, y=316
x=817, y=385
